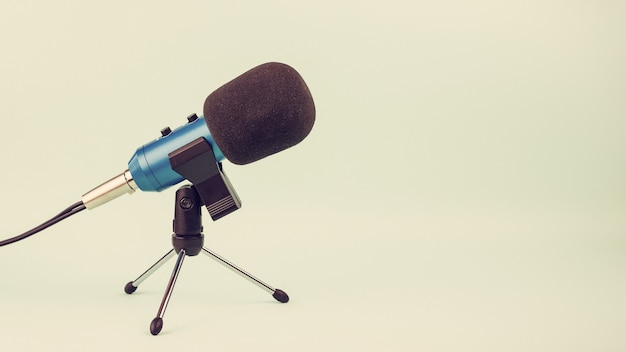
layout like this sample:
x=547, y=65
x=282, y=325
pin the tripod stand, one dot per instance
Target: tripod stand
x=196, y=162
x=188, y=240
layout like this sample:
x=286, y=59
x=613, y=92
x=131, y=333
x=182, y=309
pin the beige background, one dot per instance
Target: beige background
x=463, y=189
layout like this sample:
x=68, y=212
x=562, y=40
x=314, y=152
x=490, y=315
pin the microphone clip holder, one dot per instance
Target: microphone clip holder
x=196, y=162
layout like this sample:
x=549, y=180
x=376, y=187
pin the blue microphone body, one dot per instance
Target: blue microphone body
x=150, y=166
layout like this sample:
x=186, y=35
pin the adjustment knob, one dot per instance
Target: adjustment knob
x=166, y=131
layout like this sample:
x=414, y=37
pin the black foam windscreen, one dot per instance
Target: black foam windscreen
x=263, y=111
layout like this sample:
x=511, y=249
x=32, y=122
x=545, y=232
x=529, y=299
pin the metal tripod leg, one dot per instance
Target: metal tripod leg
x=278, y=294
x=132, y=285
x=157, y=323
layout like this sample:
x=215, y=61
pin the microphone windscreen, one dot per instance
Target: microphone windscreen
x=263, y=111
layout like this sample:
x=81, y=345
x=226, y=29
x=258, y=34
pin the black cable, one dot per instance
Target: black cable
x=66, y=213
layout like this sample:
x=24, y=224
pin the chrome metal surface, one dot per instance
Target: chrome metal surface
x=171, y=283
x=111, y=189
x=153, y=268
x=238, y=270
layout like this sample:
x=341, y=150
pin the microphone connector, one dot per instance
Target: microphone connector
x=111, y=189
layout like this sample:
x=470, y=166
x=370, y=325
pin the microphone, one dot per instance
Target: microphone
x=259, y=113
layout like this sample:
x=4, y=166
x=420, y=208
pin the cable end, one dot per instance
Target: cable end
x=113, y=188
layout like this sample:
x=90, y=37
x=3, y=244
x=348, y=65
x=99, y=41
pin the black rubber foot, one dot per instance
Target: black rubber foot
x=129, y=288
x=156, y=326
x=281, y=296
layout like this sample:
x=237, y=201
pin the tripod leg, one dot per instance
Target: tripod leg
x=132, y=285
x=157, y=323
x=278, y=294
